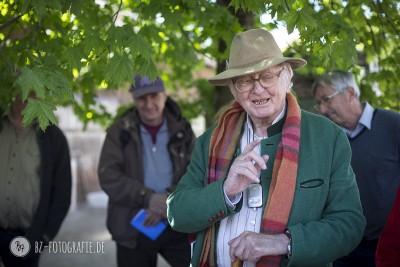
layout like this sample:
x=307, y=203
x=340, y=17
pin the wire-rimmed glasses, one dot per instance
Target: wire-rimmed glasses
x=247, y=83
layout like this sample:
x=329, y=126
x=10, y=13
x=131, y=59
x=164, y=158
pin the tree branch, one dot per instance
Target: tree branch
x=5, y=25
x=396, y=30
x=374, y=42
x=117, y=12
x=113, y=17
x=191, y=42
x=287, y=6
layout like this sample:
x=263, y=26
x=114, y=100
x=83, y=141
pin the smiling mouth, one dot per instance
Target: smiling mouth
x=260, y=102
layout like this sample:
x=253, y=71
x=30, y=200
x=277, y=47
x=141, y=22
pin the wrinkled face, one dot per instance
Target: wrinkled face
x=151, y=107
x=332, y=105
x=263, y=103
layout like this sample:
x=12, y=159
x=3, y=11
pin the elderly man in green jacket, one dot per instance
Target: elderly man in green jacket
x=270, y=184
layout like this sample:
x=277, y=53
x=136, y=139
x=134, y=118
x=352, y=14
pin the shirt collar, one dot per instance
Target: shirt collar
x=277, y=119
x=366, y=116
x=365, y=121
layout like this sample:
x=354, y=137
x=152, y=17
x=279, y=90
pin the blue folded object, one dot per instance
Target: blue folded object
x=153, y=232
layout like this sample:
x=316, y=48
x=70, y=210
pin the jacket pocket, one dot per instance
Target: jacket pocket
x=312, y=183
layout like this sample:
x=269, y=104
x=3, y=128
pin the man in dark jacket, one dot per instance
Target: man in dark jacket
x=144, y=155
x=35, y=186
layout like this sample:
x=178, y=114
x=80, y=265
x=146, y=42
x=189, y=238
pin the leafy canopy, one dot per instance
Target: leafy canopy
x=58, y=49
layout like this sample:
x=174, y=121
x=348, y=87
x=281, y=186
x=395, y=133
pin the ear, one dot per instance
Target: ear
x=351, y=92
x=351, y=95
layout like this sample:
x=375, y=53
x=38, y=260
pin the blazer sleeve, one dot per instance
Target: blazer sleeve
x=195, y=205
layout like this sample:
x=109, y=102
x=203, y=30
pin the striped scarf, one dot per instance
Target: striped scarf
x=223, y=143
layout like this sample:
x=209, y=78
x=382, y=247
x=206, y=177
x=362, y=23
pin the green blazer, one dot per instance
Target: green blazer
x=326, y=220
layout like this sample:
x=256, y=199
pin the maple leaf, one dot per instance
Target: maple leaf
x=59, y=85
x=42, y=110
x=119, y=70
x=32, y=80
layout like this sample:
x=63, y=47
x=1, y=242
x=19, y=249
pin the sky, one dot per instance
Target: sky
x=281, y=35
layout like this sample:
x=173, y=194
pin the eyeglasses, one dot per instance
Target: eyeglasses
x=266, y=81
x=327, y=99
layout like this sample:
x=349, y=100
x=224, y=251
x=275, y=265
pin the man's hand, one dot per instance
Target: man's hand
x=158, y=204
x=245, y=170
x=151, y=218
x=250, y=246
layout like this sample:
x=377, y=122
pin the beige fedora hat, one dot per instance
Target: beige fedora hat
x=253, y=51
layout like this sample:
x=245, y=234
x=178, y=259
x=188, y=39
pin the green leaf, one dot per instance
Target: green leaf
x=32, y=80
x=25, y=56
x=139, y=46
x=74, y=55
x=248, y=5
x=119, y=35
x=306, y=20
x=76, y=6
x=59, y=86
x=54, y=4
x=26, y=5
x=42, y=110
x=93, y=43
x=39, y=8
x=147, y=67
x=291, y=20
x=119, y=70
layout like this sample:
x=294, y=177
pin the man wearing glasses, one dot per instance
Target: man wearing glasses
x=374, y=136
x=269, y=184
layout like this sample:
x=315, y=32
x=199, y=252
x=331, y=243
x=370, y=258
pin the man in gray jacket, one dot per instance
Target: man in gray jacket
x=145, y=153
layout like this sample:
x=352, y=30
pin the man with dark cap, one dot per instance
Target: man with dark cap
x=144, y=155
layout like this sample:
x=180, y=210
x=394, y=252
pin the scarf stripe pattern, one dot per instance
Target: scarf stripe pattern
x=223, y=143
x=283, y=184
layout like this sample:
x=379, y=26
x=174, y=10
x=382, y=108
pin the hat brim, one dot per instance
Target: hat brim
x=147, y=90
x=224, y=77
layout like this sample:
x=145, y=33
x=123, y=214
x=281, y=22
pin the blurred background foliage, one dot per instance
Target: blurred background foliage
x=67, y=51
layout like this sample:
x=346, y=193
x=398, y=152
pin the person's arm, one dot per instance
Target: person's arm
x=61, y=181
x=181, y=164
x=194, y=205
x=121, y=189
x=388, y=250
